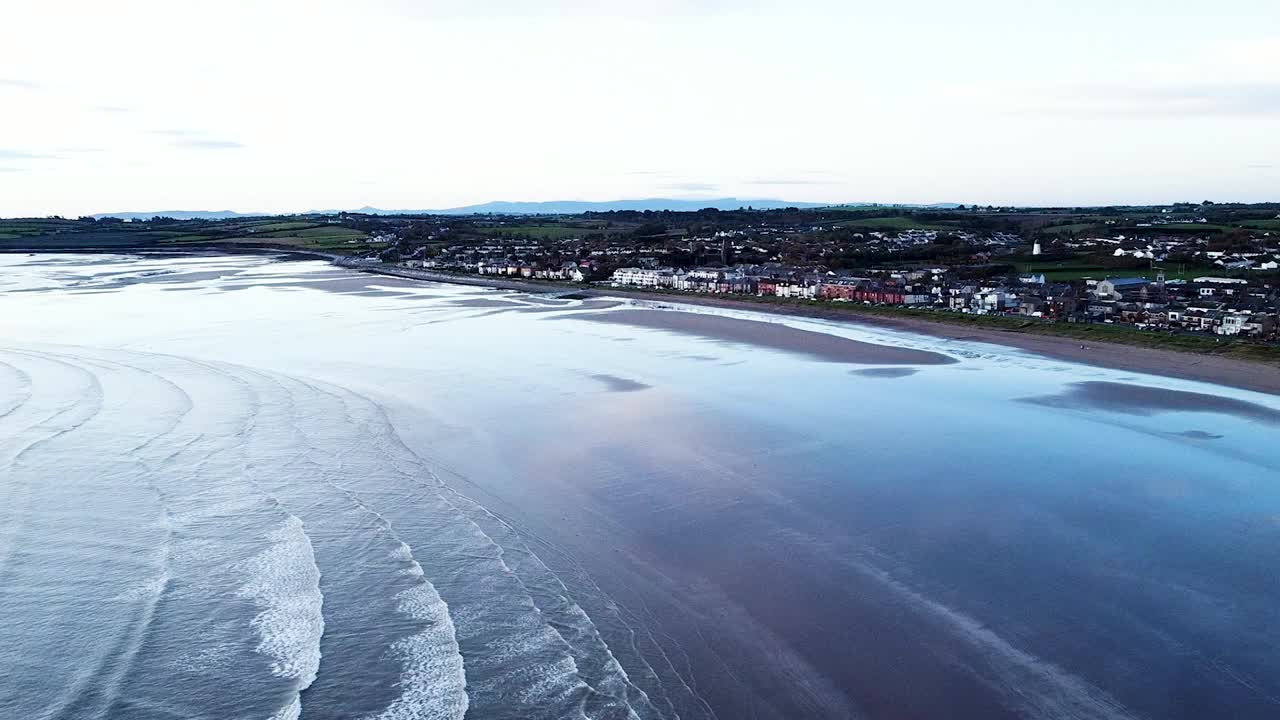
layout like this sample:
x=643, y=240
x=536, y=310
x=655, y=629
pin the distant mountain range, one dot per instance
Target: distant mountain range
x=557, y=207
x=179, y=215
x=573, y=207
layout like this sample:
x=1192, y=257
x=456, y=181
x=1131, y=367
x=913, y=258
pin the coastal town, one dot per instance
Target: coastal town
x=1183, y=281
x=1190, y=269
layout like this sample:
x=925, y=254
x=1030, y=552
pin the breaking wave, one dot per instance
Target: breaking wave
x=434, y=682
x=285, y=583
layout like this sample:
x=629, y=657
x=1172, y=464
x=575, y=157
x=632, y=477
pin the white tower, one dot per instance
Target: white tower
x=1035, y=249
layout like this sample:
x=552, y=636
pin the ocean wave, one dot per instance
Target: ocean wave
x=144, y=590
x=595, y=662
x=433, y=679
x=285, y=584
x=525, y=632
x=292, y=711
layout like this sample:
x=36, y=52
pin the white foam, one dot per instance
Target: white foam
x=560, y=677
x=206, y=510
x=433, y=682
x=285, y=583
x=209, y=660
x=572, y=625
x=146, y=589
x=292, y=711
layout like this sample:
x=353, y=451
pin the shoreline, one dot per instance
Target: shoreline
x=1242, y=374
x=776, y=336
x=1255, y=376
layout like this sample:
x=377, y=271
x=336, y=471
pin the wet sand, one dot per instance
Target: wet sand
x=1256, y=376
x=821, y=346
x=485, y=303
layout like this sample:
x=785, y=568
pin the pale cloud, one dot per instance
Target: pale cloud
x=1214, y=76
x=453, y=102
x=203, y=144
x=7, y=154
x=568, y=9
x=19, y=84
x=1177, y=100
x=693, y=187
x=790, y=181
x=1241, y=60
x=197, y=140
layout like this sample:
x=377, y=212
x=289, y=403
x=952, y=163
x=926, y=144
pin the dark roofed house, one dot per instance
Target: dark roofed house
x=1115, y=288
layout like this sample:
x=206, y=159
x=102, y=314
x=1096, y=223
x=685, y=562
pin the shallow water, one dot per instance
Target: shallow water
x=292, y=490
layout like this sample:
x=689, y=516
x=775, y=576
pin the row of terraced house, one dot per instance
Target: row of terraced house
x=1222, y=306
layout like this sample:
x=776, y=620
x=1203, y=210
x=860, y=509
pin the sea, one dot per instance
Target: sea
x=264, y=487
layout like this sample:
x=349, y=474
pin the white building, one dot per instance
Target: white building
x=696, y=279
x=992, y=301
x=641, y=277
x=787, y=290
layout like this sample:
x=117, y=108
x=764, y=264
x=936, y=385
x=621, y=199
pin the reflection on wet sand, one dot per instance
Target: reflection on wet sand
x=1145, y=400
x=620, y=384
x=884, y=372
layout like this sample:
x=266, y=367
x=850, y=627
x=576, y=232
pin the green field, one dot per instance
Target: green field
x=1075, y=270
x=29, y=229
x=1072, y=228
x=324, y=233
x=892, y=223
x=279, y=226
x=541, y=232
x=324, y=237
x=1148, y=273
x=1206, y=227
x=1130, y=225
x=1263, y=224
x=281, y=231
x=192, y=239
x=160, y=235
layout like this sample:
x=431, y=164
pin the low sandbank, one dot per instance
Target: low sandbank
x=1144, y=400
x=775, y=336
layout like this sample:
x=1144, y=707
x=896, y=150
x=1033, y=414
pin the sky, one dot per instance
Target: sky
x=290, y=106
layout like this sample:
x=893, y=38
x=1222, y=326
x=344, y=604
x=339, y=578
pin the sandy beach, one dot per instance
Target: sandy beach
x=1241, y=374
x=1245, y=375
x=829, y=348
